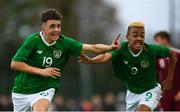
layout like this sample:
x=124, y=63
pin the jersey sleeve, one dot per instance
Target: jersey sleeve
x=75, y=47
x=116, y=53
x=114, y=62
x=25, y=49
x=160, y=51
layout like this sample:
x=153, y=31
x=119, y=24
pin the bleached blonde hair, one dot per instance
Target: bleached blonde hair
x=135, y=24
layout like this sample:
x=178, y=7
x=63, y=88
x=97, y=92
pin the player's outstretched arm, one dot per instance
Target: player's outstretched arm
x=102, y=58
x=46, y=72
x=167, y=84
x=101, y=48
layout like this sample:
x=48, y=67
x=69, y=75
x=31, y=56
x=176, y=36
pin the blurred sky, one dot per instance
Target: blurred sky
x=154, y=13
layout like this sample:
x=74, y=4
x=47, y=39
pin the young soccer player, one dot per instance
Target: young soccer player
x=40, y=61
x=135, y=64
x=168, y=101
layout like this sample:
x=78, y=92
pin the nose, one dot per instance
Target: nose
x=56, y=28
x=139, y=38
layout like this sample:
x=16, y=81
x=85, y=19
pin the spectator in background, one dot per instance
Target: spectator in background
x=86, y=105
x=58, y=103
x=169, y=101
x=5, y=103
x=97, y=102
x=109, y=101
x=72, y=105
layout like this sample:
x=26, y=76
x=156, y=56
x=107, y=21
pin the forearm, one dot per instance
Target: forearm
x=21, y=66
x=172, y=65
x=102, y=58
x=98, y=59
x=101, y=48
x=95, y=49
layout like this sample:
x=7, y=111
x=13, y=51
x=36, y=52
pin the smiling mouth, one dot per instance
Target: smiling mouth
x=138, y=44
x=54, y=34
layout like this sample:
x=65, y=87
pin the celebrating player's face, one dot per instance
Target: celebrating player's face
x=136, y=38
x=51, y=30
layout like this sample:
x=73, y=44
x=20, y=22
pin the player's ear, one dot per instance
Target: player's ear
x=127, y=36
x=42, y=26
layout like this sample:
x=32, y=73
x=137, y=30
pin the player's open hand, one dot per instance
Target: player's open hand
x=166, y=85
x=50, y=72
x=85, y=59
x=116, y=44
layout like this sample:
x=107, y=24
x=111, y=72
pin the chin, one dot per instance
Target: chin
x=55, y=38
x=138, y=49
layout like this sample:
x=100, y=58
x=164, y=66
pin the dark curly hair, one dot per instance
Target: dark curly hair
x=50, y=14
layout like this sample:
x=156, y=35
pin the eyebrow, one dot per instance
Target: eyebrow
x=54, y=24
x=137, y=32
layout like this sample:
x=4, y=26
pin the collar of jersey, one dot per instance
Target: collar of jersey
x=42, y=37
x=135, y=55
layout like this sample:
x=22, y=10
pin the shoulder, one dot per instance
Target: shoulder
x=175, y=50
x=116, y=53
x=33, y=37
x=124, y=44
x=155, y=47
x=151, y=46
x=67, y=38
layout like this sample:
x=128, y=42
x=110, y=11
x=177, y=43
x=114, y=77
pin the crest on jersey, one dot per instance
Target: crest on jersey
x=144, y=64
x=57, y=53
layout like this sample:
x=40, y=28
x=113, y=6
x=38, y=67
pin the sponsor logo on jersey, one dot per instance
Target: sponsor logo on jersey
x=144, y=64
x=39, y=51
x=125, y=62
x=57, y=53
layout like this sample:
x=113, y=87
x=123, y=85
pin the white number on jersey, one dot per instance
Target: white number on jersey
x=47, y=61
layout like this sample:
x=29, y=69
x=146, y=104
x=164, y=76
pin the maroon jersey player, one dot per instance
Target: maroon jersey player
x=170, y=100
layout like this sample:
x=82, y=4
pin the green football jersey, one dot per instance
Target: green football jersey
x=35, y=51
x=138, y=71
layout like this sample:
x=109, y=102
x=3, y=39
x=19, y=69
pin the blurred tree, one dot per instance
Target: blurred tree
x=97, y=23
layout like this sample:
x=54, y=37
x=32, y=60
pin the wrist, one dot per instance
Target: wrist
x=91, y=60
x=39, y=71
x=110, y=47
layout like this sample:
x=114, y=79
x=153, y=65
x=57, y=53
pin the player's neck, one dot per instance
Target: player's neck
x=168, y=45
x=47, y=39
x=135, y=53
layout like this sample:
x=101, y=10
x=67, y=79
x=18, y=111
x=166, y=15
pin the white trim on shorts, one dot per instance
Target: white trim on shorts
x=24, y=102
x=149, y=98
